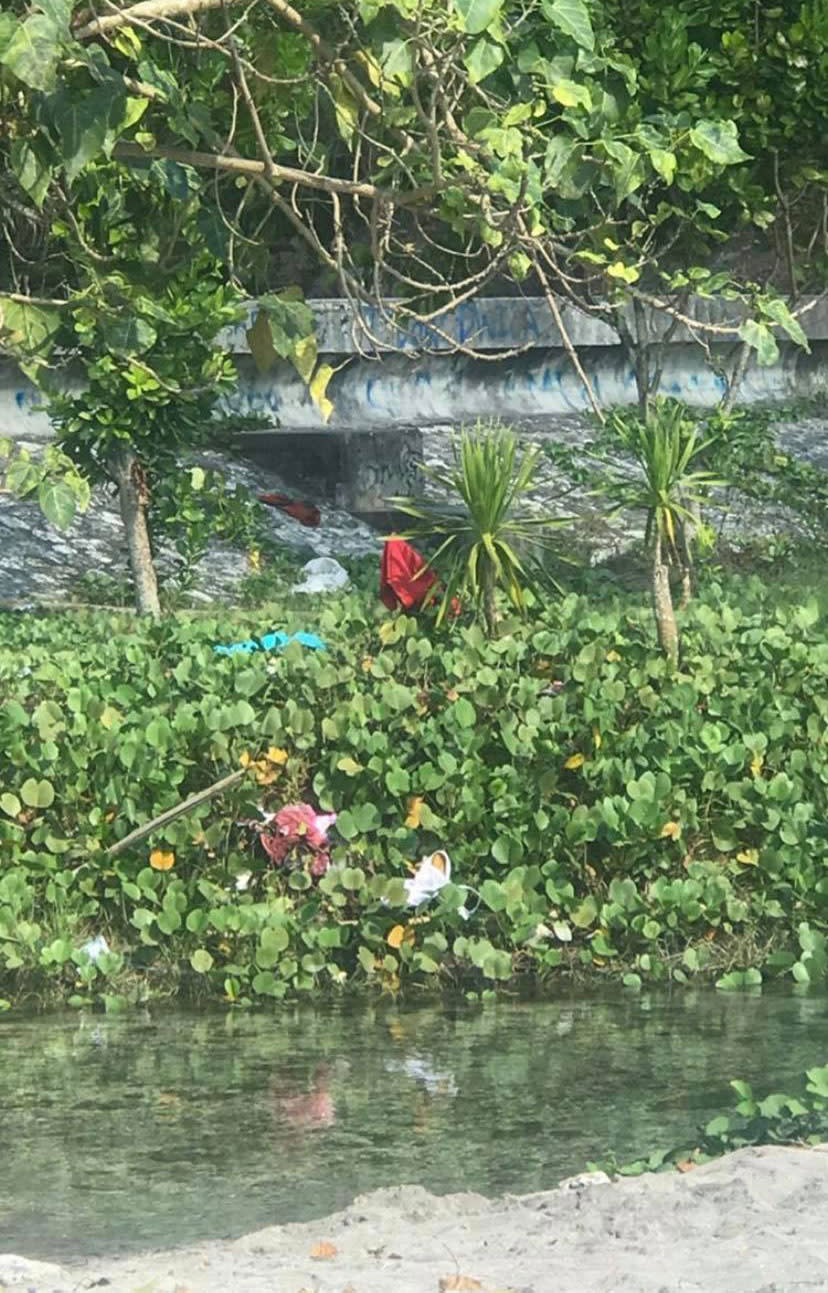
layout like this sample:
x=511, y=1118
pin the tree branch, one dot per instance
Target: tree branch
x=126, y=151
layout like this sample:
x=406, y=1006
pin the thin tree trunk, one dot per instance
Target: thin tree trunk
x=642, y=359
x=665, y=615
x=132, y=493
x=689, y=530
x=489, y=604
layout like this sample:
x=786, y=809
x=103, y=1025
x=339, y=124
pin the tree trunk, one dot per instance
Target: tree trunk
x=689, y=531
x=489, y=603
x=132, y=493
x=665, y=615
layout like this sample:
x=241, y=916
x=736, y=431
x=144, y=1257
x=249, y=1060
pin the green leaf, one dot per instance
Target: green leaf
x=571, y=95
x=465, y=712
x=780, y=314
x=84, y=123
x=761, y=339
x=37, y=794
x=493, y=894
x=29, y=329
x=366, y=959
x=33, y=52
x=572, y=18
x=33, y=175
x=10, y=804
x=664, y=163
x=478, y=15
x=719, y=141
x=57, y=503
x=129, y=334
x=585, y=913
x=201, y=961
x=484, y=58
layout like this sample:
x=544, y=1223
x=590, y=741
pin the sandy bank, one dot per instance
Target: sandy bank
x=753, y=1222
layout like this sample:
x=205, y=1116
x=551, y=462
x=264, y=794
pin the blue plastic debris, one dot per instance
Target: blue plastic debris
x=273, y=642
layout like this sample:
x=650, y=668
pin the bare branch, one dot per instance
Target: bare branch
x=126, y=151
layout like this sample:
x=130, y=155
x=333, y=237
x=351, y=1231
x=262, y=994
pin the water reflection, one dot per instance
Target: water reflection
x=162, y=1128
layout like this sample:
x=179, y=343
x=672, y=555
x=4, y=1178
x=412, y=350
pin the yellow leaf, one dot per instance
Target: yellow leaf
x=613, y=657
x=671, y=830
x=415, y=812
x=748, y=857
x=574, y=761
x=367, y=664
x=245, y=759
x=756, y=764
x=317, y=388
x=254, y=558
x=395, y=936
x=597, y=738
x=160, y=861
x=276, y=755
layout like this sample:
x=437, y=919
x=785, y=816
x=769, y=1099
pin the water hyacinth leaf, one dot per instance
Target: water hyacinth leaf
x=201, y=961
x=37, y=794
x=10, y=804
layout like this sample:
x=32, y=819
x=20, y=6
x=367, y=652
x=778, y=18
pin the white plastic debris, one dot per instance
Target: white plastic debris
x=322, y=575
x=96, y=948
x=432, y=875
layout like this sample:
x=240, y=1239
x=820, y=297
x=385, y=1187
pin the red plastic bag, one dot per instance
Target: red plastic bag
x=405, y=579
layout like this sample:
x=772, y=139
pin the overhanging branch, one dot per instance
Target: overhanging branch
x=130, y=152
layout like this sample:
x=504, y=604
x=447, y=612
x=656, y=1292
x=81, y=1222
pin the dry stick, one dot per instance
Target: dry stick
x=200, y=797
x=565, y=337
x=739, y=370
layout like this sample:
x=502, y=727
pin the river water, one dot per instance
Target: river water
x=161, y=1128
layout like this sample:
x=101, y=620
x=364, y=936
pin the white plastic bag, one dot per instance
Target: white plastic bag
x=322, y=575
x=432, y=875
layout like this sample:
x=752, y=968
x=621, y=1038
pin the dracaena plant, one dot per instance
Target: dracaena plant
x=669, y=484
x=480, y=523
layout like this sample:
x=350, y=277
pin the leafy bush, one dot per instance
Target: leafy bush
x=607, y=814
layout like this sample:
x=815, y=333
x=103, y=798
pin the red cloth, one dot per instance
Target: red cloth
x=404, y=578
x=304, y=513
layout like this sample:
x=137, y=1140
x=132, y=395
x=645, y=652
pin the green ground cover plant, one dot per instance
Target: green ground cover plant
x=776, y=1119
x=612, y=818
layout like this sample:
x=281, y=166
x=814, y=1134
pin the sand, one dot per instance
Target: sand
x=755, y=1221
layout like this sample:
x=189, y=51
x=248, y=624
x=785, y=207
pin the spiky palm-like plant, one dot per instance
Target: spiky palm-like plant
x=484, y=534
x=669, y=488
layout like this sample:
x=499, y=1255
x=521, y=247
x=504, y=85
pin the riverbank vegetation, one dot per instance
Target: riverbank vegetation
x=603, y=813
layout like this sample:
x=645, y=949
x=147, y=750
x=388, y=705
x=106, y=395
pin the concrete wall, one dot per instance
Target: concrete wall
x=389, y=391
